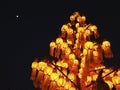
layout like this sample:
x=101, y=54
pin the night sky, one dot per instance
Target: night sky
x=28, y=26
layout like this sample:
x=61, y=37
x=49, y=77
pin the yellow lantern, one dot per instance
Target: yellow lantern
x=61, y=82
x=52, y=48
x=110, y=84
x=48, y=70
x=67, y=85
x=42, y=65
x=71, y=76
x=54, y=76
x=59, y=40
x=87, y=34
x=107, y=50
x=72, y=18
x=34, y=69
x=116, y=80
x=89, y=45
x=94, y=28
x=72, y=56
x=83, y=18
x=64, y=31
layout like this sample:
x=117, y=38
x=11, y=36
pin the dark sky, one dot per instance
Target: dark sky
x=27, y=37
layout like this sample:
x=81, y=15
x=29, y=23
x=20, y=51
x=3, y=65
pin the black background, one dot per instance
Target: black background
x=27, y=37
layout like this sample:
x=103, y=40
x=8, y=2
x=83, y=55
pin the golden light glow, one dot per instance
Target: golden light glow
x=75, y=60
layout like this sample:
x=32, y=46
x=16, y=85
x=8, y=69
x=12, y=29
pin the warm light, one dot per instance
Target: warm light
x=65, y=65
x=54, y=76
x=71, y=76
x=59, y=40
x=72, y=56
x=42, y=65
x=116, y=80
x=106, y=44
x=118, y=72
x=34, y=64
x=48, y=70
x=89, y=45
x=95, y=53
x=75, y=59
x=61, y=82
x=80, y=29
x=110, y=84
x=67, y=85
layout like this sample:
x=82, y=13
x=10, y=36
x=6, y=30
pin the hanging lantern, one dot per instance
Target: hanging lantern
x=116, y=82
x=61, y=82
x=67, y=85
x=53, y=85
x=70, y=37
x=110, y=84
x=34, y=70
x=87, y=34
x=52, y=48
x=107, y=50
x=89, y=47
x=64, y=31
x=94, y=28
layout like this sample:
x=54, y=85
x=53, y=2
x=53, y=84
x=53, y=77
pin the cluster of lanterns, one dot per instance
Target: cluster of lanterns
x=76, y=57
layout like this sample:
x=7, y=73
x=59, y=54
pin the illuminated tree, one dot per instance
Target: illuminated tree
x=76, y=59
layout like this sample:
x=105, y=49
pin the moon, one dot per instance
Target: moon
x=17, y=16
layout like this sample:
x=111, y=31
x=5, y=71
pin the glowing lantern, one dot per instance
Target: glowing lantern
x=82, y=65
x=72, y=88
x=110, y=84
x=87, y=35
x=48, y=70
x=80, y=30
x=61, y=82
x=52, y=48
x=34, y=68
x=64, y=48
x=85, y=51
x=77, y=25
x=68, y=51
x=39, y=79
x=45, y=82
x=65, y=65
x=53, y=85
x=42, y=65
x=71, y=76
x=64, y=31
x=72, y=18
x=72, y=56
x=89, y=45
x=94, y=77
x=94, y=28
x=70, y=38
x=54, y=76
x=116, y=80
x=107, y=50
x=67, y=85
x=59, y=40
x=79, y=19
x=89, y=79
